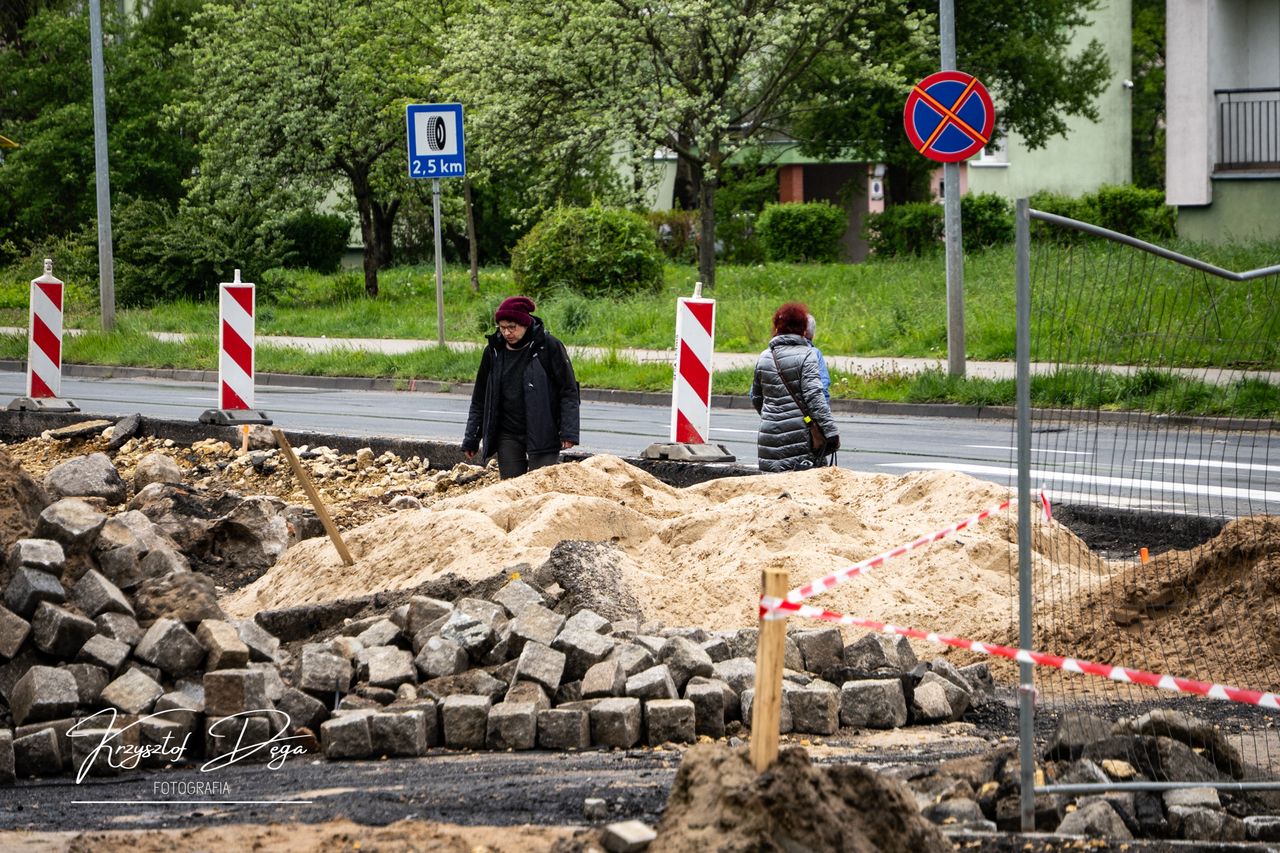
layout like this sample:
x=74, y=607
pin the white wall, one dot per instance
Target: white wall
x=1188, y=101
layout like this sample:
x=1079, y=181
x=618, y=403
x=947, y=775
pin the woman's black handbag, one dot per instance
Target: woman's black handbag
x=817, y=439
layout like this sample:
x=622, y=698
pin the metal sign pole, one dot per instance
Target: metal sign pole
x=435, y=215
x=106, y=262
x=951, y=213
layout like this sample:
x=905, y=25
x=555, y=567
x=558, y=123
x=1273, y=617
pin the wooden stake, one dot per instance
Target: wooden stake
x=244, y=439
x=305, y=479
x=766, y=707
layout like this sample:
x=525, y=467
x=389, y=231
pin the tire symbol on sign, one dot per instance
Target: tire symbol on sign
x=437, y=134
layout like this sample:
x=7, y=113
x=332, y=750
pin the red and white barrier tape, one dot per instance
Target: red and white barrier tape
x=774, y=608
x=839, y=576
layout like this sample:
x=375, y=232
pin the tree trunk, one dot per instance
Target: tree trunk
x=706, y=189
x=384, y=217
x=473, y=249
x=368, y=231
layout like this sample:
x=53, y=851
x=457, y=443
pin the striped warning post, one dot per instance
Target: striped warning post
x=695, y=341
x=235, y=356
x=235, y=344
x=774, y=607
x=44, y=342
x=44, y=346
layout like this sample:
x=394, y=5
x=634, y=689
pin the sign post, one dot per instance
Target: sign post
x=949, y=117
x=436, y=150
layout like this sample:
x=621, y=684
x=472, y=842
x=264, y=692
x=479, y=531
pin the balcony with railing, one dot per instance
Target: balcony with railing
x=1248, y=130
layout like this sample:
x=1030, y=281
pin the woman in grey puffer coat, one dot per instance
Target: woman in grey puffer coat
x=783, y=441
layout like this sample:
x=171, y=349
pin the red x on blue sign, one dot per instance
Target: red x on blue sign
x=949, y=116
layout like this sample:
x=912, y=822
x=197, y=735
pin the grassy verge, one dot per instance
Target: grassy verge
x=892, y=307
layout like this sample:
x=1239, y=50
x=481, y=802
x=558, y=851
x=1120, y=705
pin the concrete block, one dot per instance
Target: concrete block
x=119, y=626
x=633, y=657
x=380, y=633
x=670, y=721
x=90, y=682
x=304, y=711
x=37, y=754
x=270, y=675
x=104, y=652
x=785, y=723
x=957, y=697
x=475, y=636
x=95, y=595
x=717, y=648
x=44, y=555
x=398, y=733
x=7, y=773
x=223, y=647
x=324, y=673
x=123, y=566
x=439, y=657
x=527, y=691
x=223, y=734
x=72, y=523
x=487, y=612
x=262, y=645
x=385, y=666
x=43, y=693
x=59, y=632
x=423, y=611
x=14, y=630
x=133, y=693
x=684, y=659
x=873, y=704
x=582, y=649
x=541, y=665
x=168, y=645
x=815, y=708
x=589, y=621
x=516, y=596
x=630, y=836
x=228, y=692
x=605, y=679
x=738, y=673
x=616, y=722
x=929, y=703
x=820, y=649
x=28, y=588
x=708, y=706
x=876, y=652
x=534, y=624
x=512, y=725
x=653, y=683
x=564, y=728
x=466, y=720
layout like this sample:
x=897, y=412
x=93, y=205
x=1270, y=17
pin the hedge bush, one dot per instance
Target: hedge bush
x=1127, y=209
x=798, y=233
x=986, y=219
x=676, y=232
x=904, y=229
x=592, y=251
x=316, y=240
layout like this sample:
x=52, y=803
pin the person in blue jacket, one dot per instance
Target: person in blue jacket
x=524, y=406
x=811, y=328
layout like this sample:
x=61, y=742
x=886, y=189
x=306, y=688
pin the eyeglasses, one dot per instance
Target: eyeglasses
x=508, y=327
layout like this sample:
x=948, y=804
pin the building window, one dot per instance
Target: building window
x=994, y=155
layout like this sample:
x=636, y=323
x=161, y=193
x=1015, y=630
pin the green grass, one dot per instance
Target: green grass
x=1093, y=305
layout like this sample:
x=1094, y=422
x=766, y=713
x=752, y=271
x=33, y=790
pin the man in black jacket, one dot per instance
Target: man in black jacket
x=524, y=406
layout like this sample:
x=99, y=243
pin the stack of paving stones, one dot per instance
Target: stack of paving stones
x=100, y=615
x=981, y=793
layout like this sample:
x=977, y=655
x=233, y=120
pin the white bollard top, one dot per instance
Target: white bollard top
x=697, y=290
x=236, y=279
x=48, y=266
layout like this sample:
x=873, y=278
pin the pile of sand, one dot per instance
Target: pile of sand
x=1208, y=613
x=693, y=556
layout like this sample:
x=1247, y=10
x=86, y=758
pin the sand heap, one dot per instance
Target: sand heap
x=1207, y=613
x=719, y=803
x=693, y=556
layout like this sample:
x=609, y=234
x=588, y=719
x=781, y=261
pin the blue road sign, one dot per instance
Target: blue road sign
x=436, y=147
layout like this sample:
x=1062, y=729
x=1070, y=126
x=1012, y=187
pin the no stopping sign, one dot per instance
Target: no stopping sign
x=949, y=116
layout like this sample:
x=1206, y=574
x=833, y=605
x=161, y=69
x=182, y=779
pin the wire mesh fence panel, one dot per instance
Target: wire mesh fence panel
x=1173, y=494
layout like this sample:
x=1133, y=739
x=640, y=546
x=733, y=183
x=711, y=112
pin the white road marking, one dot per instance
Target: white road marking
x=1158, y=486
x=1033, y=450
x=1211, y=463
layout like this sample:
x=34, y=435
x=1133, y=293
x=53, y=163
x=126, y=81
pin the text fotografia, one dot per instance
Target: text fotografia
x=198, y=788
x=165, y=737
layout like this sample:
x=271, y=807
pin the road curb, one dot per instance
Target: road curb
x=653, y=398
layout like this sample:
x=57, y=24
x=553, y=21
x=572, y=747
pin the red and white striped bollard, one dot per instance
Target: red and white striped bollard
x=44, y=346
x=235, y=356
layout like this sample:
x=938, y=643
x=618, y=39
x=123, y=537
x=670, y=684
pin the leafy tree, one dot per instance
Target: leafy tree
x=47, y=184
x=292, y=97
x=700, y=78
x=1148, y=93
x=1020, y=49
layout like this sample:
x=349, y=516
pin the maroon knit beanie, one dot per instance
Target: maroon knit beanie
x=516, y=309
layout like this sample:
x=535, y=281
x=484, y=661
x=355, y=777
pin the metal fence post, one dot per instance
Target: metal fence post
x=1026, y=706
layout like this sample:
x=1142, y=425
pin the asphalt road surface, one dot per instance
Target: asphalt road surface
x=1210, y=473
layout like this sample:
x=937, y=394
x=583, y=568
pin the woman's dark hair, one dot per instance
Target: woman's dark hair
x=791, y=319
